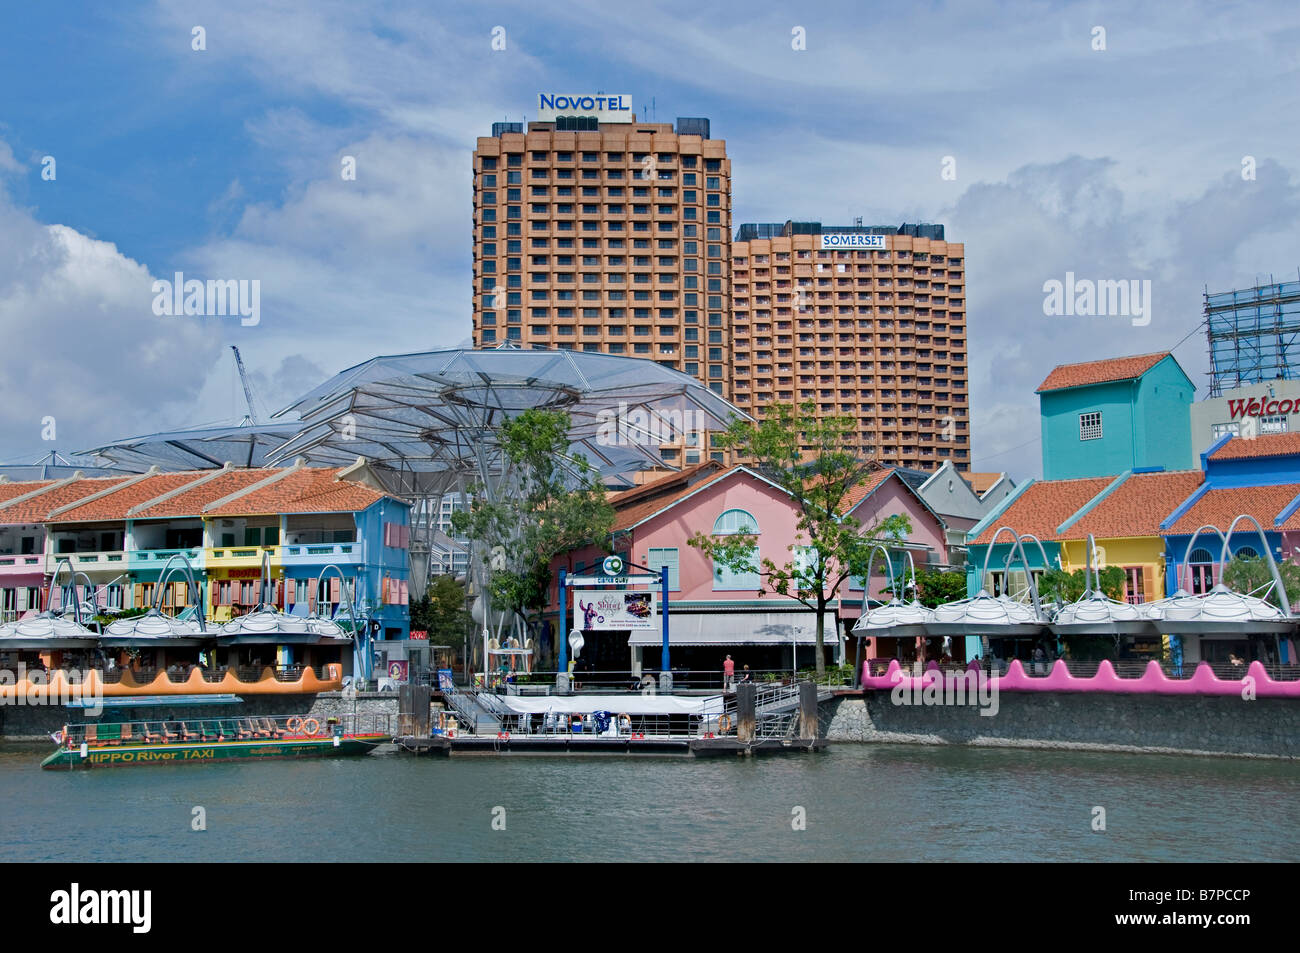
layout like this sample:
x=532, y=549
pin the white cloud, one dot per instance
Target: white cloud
x=83, y=344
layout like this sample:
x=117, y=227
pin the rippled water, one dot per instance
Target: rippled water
x=861, y=802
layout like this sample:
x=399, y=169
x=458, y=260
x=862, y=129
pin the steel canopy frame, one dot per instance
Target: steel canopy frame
x=426, y=421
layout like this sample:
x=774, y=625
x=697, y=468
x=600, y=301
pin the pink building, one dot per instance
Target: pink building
x=715, y=612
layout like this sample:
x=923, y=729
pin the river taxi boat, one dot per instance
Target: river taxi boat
x=195, y=741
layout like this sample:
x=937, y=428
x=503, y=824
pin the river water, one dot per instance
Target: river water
x=856, y=803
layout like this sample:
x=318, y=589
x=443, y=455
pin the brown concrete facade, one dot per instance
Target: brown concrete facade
x=879, y=335
x=616, y=240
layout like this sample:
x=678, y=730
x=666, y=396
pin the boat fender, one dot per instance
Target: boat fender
x=503, y=736
x=293, y=725
x=311, y=726
x=451, y=732
x=724, y=724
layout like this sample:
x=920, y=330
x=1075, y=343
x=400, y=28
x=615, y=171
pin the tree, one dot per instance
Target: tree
x=1061, y=586
x=441, y=612
x=936, y=587
x=549, y=502
x=1250, y=574
x=810, y=460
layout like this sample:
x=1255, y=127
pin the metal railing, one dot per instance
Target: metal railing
x=171, y=730
x=607, y=682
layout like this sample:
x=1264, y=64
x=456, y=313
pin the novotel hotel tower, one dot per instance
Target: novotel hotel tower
x=598, y=232
x=867, y=322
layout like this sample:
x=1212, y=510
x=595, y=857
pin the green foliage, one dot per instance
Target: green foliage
x=934, y=587
x=104, y=618
x=809, y=458
x=550, y=503
x=1059, y=585
x=441, y=612
x=1250, y=574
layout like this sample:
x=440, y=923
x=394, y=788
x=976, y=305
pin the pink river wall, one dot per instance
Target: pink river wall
x=1153, y=681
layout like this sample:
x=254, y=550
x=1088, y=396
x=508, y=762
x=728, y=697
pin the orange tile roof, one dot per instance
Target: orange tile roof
x=191, y=502
x=310, y=490
x=114, y=506
x=1137, y=506
x=632, y=506
x=866, y=488
x=10, y=490
x=1045, y=505
x=1221, y=506
x=1264, y=445
x=38, y=508
x=1100, y=372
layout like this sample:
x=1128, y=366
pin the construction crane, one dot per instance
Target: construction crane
x=248, y=391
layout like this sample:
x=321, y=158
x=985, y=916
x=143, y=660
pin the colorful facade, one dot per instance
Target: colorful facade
x=714, y=611
x=118, y=533
x=1106, y=417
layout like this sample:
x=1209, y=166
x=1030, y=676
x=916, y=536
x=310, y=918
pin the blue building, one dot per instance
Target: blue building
x=1102, y=418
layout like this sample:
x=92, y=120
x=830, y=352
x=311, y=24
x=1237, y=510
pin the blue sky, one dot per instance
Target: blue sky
x=1122, y=163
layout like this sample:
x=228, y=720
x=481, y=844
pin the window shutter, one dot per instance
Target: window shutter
x=406, y=593
x=311, y=598
x=335, y=590
x=290, y=590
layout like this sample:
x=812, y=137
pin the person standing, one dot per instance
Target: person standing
x=728, y=674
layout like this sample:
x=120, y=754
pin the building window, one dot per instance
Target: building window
x=1134, y=592
x=1222, y=430
x=659, y=558
x=1090, y=426
x=1202, y=566
x=731, y=523
x=1273, y=424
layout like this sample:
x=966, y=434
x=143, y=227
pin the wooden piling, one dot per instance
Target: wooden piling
x=746, y=704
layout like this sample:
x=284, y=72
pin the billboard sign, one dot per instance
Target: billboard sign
x=615, y=611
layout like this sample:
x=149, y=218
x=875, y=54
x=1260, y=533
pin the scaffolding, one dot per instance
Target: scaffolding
x=1253, y=335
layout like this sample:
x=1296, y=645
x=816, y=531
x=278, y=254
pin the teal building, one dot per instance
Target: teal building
x=1102, y=418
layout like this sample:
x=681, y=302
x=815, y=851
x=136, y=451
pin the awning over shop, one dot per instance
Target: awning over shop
x=738, y=628
x=630, y=703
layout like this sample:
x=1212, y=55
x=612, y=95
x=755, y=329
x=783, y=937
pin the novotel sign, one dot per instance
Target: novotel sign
x=851, y=240
x=605, y=107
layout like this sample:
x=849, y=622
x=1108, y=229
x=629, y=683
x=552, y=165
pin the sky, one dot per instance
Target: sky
x=1154, y=145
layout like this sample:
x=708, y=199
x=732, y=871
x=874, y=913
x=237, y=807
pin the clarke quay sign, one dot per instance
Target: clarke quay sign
x=605, y=107
x=830, y=240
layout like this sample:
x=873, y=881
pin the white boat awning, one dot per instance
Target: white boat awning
x=738, y=628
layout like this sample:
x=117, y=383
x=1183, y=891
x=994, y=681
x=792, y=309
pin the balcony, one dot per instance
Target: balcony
x=227, y=557
x=114, y=561
x=154, y=559
x=22, y=565
x=298, y=554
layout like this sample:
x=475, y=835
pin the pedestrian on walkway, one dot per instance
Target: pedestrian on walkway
x=728, y=674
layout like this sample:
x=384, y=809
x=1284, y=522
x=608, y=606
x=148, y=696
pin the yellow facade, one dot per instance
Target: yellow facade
x=1144, y=552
